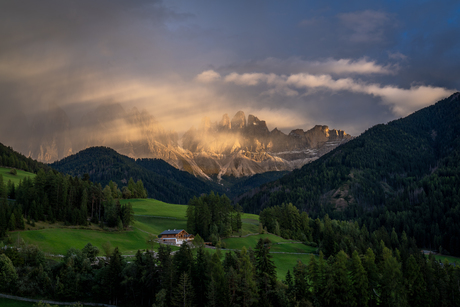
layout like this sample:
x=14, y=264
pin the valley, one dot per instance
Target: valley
x=365, y=209
x=153, y=217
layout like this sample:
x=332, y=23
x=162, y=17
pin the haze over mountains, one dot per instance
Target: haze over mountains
x=237, y=146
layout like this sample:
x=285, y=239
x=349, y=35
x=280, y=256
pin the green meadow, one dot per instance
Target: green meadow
x=285, y=262
x=5, y=172
x=153, y=217
x=153, y=207
x=449, y=258
x=285, y=253
x=59, y=240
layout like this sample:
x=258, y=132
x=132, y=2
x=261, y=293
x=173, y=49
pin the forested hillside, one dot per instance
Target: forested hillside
x=405, y=174
x=11, y=158
x=161, y=180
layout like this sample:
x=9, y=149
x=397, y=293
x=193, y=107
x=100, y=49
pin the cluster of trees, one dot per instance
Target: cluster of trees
x=332, y=235
x=51, y=196
x=286, y=221
x=403, y=175
x=132, y=190
x=212, y=217
x=385, y=277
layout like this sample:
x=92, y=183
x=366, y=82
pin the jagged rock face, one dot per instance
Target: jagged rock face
x=238, y=121
x=249, y=147
x=224, y=124
x=256, y=127
x=238, y=147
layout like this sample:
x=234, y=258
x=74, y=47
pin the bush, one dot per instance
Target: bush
x=13, y=172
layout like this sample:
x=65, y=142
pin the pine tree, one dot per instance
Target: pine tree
x=370, y=267
x=360, y=281
x=128, y=215
x=300, y=282
x=184, y=292
x=247, y=292
x=12, y=222
x=392, y=283
x=342, y=286
x=217, y=289
x=415, y=283
x=115, y=278
x=265, y=272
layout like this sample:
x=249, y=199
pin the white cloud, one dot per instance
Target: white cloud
x=401, y=101
x=208, y=76
x=346, y=66
x=251, y=79
x=293, y=65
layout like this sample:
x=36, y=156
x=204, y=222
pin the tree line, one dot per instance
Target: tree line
x=194, y=277
x=51, y=196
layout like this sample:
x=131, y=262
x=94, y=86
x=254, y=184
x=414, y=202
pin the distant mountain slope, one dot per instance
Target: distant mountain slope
x=405, y=174
x=11, y=158
x=161, y=180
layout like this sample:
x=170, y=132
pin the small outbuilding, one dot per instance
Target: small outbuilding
x=175, y=237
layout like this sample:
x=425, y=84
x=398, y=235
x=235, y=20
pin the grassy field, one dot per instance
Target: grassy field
x=153, y=207
x=58, y=241
x=449, y=258
x=280, y=246
x=153, y=216
x=5, y=172
x=285, y=262
x=250, y=241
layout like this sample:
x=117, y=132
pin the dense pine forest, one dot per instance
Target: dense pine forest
x=379, y=275
x=403, y=175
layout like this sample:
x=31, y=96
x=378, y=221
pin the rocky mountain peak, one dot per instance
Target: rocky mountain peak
x=299, y=133
x=239, y=147
x=256, y=126
x=238, y=121
x=205, y=124
x=224, y=123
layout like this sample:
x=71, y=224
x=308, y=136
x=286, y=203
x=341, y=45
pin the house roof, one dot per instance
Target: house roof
x=171, y=232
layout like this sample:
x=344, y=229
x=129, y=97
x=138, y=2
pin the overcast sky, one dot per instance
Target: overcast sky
x=345, y=64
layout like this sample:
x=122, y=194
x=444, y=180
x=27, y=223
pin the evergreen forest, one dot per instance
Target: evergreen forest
x=403, y=175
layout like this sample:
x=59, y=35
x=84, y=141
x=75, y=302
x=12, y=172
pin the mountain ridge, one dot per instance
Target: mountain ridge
x=240, y=146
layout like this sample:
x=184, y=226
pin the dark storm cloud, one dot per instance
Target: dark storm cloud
x=345, y=64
